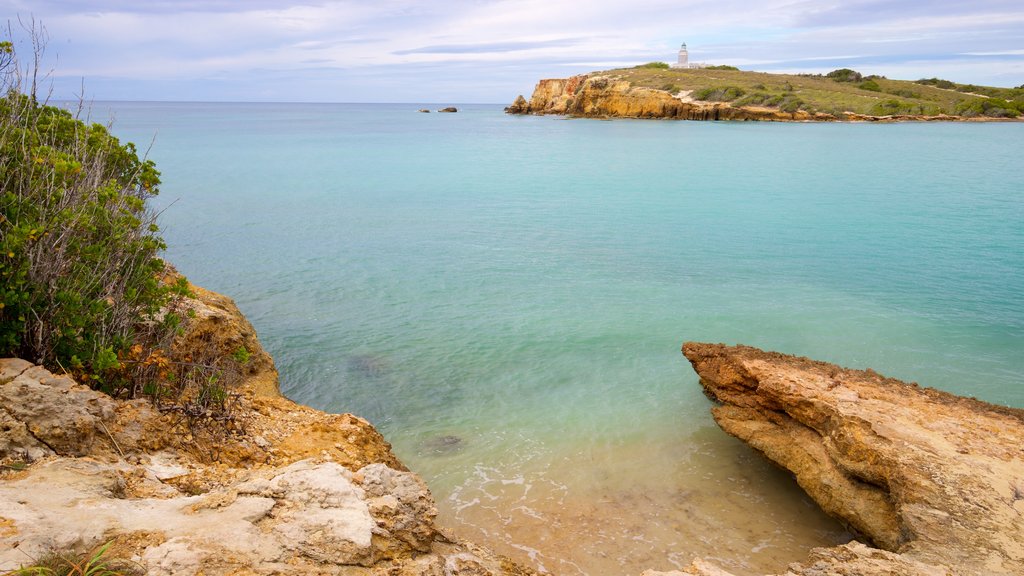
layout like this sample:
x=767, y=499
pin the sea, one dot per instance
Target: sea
x=505, y=297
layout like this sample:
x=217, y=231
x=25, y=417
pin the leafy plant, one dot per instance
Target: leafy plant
x=79, y=271
x=722, y=67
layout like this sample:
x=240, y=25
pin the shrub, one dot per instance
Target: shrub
x=790, y=103
x=937, y=82
x=845, y=75
x=988, y=107
x=903, y=93
x=79, y=272
x=870, y=85
x=786, y=103
x=892, y=106
x=655, y=65
x=671, y=88
x=720, y=94
x=722, y=67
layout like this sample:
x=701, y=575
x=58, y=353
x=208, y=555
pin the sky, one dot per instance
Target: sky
x=489, y=51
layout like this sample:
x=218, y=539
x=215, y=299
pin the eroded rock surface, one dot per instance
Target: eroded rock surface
x=934, y=481
x=277, y=488
x=288, y=490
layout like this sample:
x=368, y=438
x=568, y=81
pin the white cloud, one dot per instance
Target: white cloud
x=125, y=47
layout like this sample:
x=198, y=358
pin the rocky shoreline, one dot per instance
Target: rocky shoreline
x=601, y=96
x=932, y=484
x=279, y=489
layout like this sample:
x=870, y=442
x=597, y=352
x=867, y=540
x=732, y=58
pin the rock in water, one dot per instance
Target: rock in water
x=449, y=109
x=424, y=110
x=520, y=106
x=934, y=480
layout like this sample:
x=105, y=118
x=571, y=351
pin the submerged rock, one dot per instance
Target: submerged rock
x=449, y=109
x=447, y=444
x=933, y=481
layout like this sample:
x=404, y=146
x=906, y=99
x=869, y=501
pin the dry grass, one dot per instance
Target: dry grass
x=817, y=92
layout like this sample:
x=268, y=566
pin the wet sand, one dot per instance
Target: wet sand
x=620, y=509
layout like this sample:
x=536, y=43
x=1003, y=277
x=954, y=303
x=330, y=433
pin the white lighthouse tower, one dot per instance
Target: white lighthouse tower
x=684, y=58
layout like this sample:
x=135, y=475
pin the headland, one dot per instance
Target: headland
x=725, y=93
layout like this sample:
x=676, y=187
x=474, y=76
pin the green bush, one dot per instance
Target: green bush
x=722, y=67
x=937, y=82
x=845, y=75
x=655, y=65
x=988, y=107
x=903, y=93
x=787, y=103
x=720, y=94
x=870, y=85
x=893, y=106
x=79, y=272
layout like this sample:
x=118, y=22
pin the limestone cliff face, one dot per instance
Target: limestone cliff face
x=277, y=488
x=596, y=96
x=935, y=481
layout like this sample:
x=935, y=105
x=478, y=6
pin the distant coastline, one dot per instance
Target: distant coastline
x=724, y=93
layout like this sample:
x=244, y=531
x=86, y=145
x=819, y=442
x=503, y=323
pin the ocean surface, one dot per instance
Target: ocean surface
x=505, y=297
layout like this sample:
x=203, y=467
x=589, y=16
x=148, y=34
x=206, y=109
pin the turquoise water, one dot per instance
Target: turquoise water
x=505, y=297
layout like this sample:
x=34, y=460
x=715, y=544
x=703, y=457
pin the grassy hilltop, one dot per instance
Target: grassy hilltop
x=839, y=91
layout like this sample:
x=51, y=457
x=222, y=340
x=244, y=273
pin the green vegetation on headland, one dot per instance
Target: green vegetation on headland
x=835, y=93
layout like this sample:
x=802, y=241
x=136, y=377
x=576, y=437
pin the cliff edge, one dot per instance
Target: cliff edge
x=271, y=488
x=934, y=482
x=753, y=96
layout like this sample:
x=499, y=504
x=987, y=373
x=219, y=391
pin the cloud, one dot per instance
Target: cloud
x=481, y=48
x=330, y=50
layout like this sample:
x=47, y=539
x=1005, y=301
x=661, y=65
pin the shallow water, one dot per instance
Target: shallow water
x=505, y=297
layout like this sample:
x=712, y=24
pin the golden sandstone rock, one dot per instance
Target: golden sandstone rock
x=933, y=480
x=278, y=489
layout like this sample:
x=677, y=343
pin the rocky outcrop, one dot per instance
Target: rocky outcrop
x=933, y=481
x=216, y=328
x=598, y=96
x=289, y=490
x=449, y=109
x=273, y=488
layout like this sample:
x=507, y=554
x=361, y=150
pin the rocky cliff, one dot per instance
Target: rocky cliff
x=934, y=482
x=277, y=488
x=605, y=96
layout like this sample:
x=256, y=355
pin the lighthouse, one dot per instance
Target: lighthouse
x=684, y=58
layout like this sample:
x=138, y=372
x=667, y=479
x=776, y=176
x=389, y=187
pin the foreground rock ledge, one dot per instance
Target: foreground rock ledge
x=934, y=482
x=284, y=489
